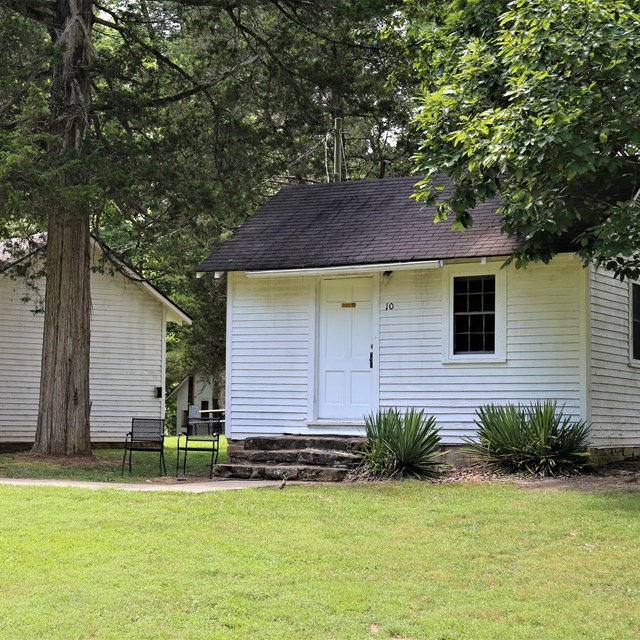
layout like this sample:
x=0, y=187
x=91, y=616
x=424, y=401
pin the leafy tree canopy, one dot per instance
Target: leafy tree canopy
x=200, y=110
x=535, y=101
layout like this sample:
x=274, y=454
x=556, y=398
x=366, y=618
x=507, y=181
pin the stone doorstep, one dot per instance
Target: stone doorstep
x=280, y=472
x=305, y=457
x=332, y=443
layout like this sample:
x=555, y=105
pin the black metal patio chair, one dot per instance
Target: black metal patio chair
x=200, y=435
x=147, y=434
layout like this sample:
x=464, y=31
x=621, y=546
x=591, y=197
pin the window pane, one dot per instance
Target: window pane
x=475, y=302
x=489, y=323
x=462, y=324
x=475, y=285
x=476, y=342
x=460, y=285
x=476, y=324
x=461, y=344
x=636, y=302
x=460, y=303
x=489, y=342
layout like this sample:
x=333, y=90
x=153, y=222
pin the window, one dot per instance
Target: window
x=635, y=320
x=474, y=315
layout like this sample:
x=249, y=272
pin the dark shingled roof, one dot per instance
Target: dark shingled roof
x=354, y=223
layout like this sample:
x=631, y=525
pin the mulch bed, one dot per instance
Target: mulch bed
x=618, y=475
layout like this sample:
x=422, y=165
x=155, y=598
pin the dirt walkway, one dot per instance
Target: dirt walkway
x=160, y=484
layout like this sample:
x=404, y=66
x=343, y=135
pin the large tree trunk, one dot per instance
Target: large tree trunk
x=63, y=419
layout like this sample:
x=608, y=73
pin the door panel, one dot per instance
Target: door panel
x=345, y=376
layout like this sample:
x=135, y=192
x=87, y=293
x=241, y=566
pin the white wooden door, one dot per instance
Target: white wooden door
x=345, y=348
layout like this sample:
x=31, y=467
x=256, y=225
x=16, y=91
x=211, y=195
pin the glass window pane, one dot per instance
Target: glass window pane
x=636, y=302
x=460, y=302
x=475, y=302
x=489, y=284
x=462, y=324
x=476, y=342
x=460, y=285
x=489, y=343
x=476, y=324
x=461, y=344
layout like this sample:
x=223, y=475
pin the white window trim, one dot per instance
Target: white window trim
x=463, y=270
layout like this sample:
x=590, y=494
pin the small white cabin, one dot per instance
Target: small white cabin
x=346, y=298
x=194, y=395
x=128, y=331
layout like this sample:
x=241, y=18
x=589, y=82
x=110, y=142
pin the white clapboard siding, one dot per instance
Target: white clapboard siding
x=544, y=353
x=614, y=380
x=127, y=355
x=127, y=358
x=269, y=325
x=271, y=350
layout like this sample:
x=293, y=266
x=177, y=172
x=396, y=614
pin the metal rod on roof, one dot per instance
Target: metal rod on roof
x=337, y=151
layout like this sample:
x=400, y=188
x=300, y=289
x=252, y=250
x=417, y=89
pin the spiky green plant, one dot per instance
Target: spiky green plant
x=537, y=440
x=402, y=444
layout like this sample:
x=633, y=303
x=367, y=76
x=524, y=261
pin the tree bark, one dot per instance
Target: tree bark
x=63, y=417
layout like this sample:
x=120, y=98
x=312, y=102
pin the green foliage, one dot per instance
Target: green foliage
x=402, y=444
x=536, y=439
x=535, y=101
x=200, y=111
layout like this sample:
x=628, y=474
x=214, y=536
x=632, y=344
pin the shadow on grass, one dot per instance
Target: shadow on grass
x=105, y=465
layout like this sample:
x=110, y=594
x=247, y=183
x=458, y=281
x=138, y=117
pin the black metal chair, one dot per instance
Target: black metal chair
x=147, y=434
x=200, y=435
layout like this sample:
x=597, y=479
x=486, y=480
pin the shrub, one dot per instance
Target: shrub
x=402, y=444
x=536, y=440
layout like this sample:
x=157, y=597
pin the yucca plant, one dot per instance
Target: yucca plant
x=402, y=444
x=536, y=440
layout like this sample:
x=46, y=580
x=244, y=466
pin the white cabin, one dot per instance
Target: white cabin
x=325, y=325
x=128, y=330
x=194, y=396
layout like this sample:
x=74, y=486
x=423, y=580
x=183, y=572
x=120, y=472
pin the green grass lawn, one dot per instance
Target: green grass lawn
x=105, y=465
x=368, y=561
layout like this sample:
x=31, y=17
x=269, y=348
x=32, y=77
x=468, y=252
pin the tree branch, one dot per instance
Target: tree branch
x=4, y=107
x=199, y=88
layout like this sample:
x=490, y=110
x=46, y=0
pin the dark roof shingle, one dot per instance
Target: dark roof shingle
x=354, y=223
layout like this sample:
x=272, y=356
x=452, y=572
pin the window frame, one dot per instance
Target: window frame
x=632, y=343
x=448, y=336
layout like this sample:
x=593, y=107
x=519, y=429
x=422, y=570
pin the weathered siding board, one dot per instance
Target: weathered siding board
x=615, y=381
x=268, y=356
x=127, y=352
x=271, y=350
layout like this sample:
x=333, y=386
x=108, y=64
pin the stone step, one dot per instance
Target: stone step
x=279, y=472
x=332, y=443
x=305, y=457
